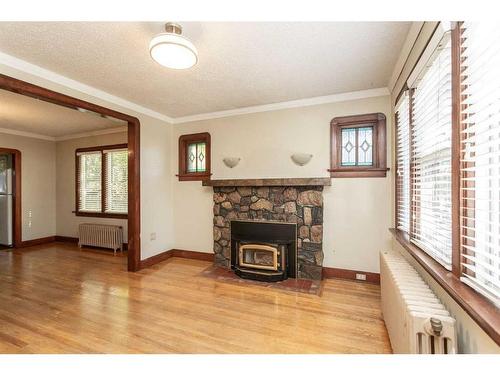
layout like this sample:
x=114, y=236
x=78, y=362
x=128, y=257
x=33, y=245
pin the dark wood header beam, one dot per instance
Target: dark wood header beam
x=316, y=181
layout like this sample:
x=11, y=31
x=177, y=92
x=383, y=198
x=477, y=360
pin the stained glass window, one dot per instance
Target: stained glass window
x=357, y=146
x=365, y=149
x=196, y=157
x=349, y=146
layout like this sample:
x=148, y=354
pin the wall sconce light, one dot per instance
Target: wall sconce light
x=231, y=162
x=301, y=159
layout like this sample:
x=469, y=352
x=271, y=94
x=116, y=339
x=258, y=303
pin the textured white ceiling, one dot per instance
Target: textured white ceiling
x=26, y=114
x=240, y=64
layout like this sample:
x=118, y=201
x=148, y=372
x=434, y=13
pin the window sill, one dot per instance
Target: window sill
x=480, y=309
x=194, y=176
x=347, y=172
x=101, y=214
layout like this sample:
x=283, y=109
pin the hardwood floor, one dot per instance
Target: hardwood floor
x=57, y=299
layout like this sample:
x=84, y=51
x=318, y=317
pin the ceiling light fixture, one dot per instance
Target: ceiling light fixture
x=172, y=50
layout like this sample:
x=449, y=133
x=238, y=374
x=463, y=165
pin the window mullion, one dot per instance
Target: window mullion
x=456, y=151
x=356, y=147
x=103, y=180
x=196, y=157
x=412, y=163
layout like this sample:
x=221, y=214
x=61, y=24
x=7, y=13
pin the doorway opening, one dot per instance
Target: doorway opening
x=133, y=154
x=10, y=197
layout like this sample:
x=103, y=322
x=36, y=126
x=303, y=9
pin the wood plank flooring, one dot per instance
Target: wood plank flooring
x=57, y=299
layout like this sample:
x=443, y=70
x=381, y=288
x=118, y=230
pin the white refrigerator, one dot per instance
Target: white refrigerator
x=6, y=212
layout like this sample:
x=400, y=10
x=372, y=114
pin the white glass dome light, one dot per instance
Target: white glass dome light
x=172, y=50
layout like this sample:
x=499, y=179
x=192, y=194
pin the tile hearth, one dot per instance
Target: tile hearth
x=293, y=285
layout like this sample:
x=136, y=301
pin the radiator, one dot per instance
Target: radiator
x=101, y=235
x=415, y=318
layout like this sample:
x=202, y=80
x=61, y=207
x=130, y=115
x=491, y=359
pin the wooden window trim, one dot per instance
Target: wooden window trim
x=379, y=167
x=101, y=214
x=184, y=141
x=480, y=309
x=477, y=306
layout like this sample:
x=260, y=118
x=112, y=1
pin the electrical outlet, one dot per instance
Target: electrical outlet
x=360, y=276
x=152, y=236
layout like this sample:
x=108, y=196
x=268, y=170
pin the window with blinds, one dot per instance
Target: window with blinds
x=403, y=163
x=480, y=157
x=89, y=181
x=102, y=181
x=116, y=181
x=431, y=156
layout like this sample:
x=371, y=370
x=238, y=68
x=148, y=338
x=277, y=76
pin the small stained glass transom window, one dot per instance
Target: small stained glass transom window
x=196, y=157
x=365, y=143
x=357, y=146
x=348, y=146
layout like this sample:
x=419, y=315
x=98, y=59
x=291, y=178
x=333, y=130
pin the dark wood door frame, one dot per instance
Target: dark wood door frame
x=17, y=212
x=134, y=202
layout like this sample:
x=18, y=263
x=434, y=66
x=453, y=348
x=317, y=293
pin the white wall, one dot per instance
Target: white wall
x=38, y=186
x=67, y=221
x=156, y=172
x=157, y=211
x=357, y=211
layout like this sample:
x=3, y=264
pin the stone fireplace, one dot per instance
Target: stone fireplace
x=295, y=201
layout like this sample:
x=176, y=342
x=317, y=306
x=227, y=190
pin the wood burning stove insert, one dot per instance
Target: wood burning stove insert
x=263, y=250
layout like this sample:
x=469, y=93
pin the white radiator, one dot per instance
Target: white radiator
x=415, y=318
x=101, y=235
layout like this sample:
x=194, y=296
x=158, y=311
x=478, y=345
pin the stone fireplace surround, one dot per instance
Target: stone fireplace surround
x=297, y=201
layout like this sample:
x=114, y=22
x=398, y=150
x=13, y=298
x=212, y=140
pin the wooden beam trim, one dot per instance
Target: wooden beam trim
x=134, y=201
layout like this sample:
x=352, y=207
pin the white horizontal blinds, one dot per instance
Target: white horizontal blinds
x=480, y=157
x=431, y=156
x=89, y=181
x=116, y=181
x=403, y=163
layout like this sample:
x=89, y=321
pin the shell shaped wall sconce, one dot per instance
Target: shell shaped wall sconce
x=301, y=158
x=231, y=162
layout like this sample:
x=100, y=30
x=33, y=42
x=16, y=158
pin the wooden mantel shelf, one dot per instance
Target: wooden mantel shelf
x=315, y=181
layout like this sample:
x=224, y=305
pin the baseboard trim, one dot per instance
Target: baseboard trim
x=66, y=239
x=75, y=240
x=187, y=254
x=340, y=273
x=151, y=261
x=37, y=241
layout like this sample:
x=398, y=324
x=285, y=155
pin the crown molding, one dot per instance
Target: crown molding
x=353, y=95
x=27, y=134
x=35, y=70
x=120, y=129
x=94, y=133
